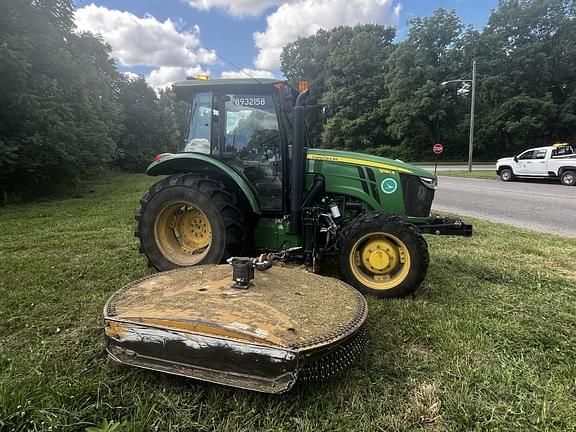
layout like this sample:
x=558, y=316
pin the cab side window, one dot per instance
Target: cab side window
x=527, y=155
x=200, y=132
x=539, y=154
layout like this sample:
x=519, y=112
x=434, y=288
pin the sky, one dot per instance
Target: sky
x=167, y=40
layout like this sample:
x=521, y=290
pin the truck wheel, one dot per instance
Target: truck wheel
x=506, y=175
x=568, y=178
x=184, y=220
x=382, y=255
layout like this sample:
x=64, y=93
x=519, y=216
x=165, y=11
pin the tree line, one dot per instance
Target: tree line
x=66, y=111
x=372, y=94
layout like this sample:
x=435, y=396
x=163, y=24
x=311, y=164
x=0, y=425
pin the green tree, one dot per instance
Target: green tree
x=356, y=87
x=149, y=125
x=176, y=117
x=389, y=99
x=345, y=68
x=58, y=109
x=306, y=59
x=420, y=110
x=527, y=59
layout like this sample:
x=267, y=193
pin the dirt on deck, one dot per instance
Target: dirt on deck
x=285, y=306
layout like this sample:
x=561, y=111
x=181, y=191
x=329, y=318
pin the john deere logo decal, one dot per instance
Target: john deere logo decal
x=389, y=186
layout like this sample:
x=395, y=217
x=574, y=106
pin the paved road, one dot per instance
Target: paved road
x=547, y=207
x=461, y=167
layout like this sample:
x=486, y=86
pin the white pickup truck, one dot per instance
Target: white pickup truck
x=557, y=161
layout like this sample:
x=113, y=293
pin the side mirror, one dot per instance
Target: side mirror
x=516, y=158
x=286, y=99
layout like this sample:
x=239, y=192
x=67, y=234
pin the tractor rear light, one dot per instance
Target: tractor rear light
x=162, y=156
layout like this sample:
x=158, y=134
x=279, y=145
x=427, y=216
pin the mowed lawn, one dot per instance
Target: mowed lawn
x=488, y=343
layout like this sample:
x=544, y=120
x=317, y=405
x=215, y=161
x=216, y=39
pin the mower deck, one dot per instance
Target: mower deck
x=289, y=325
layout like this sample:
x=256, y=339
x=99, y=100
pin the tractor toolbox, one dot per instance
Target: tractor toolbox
x=285, y=326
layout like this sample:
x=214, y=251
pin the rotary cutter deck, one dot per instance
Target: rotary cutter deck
x=286, y=326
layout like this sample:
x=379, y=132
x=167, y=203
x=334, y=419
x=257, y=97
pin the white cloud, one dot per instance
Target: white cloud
x=131, y=75
x=247, y=73
x=144, y=41
x=236, y=7
x=165, y=76
x=305, y=17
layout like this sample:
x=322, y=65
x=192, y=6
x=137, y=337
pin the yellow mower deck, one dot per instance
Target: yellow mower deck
x=290, y=325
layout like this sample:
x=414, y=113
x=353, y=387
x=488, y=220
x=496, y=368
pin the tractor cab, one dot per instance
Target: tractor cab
x=240, y=122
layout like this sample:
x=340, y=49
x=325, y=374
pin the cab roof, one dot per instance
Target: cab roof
x=225, y=82
x=185, y=89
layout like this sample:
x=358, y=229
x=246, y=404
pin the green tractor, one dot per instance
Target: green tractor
x=248, y=182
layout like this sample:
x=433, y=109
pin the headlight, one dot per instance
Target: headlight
x=430, y=183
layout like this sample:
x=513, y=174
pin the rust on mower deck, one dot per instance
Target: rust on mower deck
x=290, y=325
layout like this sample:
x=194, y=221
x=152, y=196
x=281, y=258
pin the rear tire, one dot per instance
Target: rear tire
x=506, y=175
x=185, y=220
x=382, y=255
x=568, y=178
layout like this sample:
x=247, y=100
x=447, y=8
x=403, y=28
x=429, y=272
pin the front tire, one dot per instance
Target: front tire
x=383, y=255
x=506, y=175
x=185, y=220
x=568, y=178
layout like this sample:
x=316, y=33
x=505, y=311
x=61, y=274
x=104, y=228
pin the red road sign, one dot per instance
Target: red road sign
x=438, y=149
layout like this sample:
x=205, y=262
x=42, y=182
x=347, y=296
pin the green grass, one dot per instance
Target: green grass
x=440, y=162
x=488, y=343
x=482, y=174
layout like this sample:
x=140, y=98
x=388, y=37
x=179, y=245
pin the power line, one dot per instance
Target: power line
x=236, y=67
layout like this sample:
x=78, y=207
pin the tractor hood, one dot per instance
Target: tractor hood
x=363, y=159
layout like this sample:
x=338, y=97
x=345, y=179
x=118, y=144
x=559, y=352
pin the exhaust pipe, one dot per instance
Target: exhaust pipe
x=297, y=172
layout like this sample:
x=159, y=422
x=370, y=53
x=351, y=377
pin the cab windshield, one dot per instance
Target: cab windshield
x=243, y=131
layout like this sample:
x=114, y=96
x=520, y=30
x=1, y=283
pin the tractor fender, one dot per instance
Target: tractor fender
x=168, y=164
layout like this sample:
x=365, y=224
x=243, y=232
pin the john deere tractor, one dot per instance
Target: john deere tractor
x=248, y=182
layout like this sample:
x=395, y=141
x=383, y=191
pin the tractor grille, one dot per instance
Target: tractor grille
x=417, y=197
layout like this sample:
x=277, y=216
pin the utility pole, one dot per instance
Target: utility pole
x=472, y=109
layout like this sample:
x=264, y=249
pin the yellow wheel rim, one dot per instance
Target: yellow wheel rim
x=183, y=233
x=380, y=261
